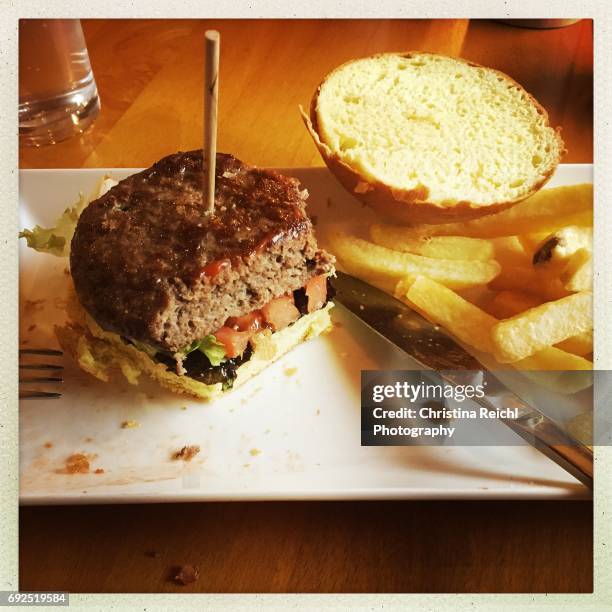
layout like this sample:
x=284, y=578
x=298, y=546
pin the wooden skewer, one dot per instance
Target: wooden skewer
x=211, y=88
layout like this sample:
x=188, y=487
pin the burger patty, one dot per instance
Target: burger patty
x=150, y=264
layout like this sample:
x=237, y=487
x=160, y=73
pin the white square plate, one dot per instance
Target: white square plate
x=283, y=435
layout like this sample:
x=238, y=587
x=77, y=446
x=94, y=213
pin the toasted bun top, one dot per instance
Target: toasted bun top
x=435, y=129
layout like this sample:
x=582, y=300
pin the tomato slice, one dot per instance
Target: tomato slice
x=316, y=291
x=235, y=342
x=248, y=322
x=280, y=312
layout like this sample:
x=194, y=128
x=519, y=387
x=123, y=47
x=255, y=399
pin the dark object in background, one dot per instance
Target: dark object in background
x=539, y=24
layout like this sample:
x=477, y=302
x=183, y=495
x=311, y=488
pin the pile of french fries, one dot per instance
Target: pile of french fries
x=516, y=284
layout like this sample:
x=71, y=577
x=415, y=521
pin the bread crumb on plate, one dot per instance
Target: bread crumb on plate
x=187, y=453
x=77, y=463
x=130, y=424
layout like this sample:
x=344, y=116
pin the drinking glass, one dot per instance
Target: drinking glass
x=58, y=96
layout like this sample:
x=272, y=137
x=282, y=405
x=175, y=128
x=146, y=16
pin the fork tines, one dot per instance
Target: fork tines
x=38, y=395
x=40, y=352
x=54, y=367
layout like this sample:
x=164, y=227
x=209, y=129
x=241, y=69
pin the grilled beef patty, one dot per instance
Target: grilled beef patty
x=149, y=263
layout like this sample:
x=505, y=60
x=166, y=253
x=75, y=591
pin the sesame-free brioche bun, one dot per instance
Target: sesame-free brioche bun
x=425, y=138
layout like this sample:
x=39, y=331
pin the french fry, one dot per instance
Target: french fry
x=557, y=370
x=566, y=382
x=439, y=247
x=546, y=210
x=537, y=328
x=578, y=274
x=553, y=359
x=443, y=306
x=556, y=249
x=473, y=326
x=366, y=259
x=509, y=251
x=506, y=304
x=581, y=344
x=532, y=240
x=537, y=256
x=528, y=279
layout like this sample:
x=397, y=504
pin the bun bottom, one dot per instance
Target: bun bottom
x=99, y=352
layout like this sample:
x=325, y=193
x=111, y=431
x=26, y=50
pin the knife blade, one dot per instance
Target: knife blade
x=433, y=349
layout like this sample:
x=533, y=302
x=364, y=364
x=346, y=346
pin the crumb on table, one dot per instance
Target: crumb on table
x=185, y=574
x=254, y=452
x=98, y=471
x=154, y=554
x=290, y=371
x=48, y=444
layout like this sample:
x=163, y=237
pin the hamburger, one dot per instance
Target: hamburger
x=199, y=301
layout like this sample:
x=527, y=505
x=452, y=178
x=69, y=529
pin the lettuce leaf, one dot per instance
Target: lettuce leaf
x=56, y=240
x=214, y=350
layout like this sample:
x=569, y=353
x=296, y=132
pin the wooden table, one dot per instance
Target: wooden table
x=150, y=77
x=149, y=74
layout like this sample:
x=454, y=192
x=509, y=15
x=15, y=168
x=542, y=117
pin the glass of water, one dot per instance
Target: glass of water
x=58, y=96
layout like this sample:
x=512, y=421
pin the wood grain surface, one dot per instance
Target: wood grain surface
x=324, y=547
x=150, y=74
x=150, y=79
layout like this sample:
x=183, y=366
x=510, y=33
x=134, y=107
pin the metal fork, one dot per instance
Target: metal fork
x=54, y=376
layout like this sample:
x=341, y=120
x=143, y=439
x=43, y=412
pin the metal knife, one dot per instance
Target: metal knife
x=433, y=349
